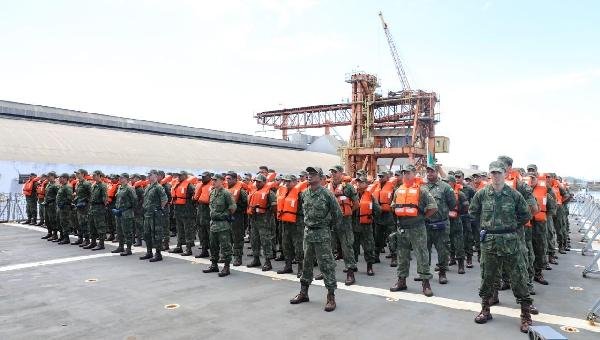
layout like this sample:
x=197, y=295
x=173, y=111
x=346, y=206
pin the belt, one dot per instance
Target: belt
x=501, y=231
x=314, y=228
x=94, y=203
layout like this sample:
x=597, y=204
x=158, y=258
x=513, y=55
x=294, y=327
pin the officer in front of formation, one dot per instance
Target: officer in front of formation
x=155, y=199
x=501, y=211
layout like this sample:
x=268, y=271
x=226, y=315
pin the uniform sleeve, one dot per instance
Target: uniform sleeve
x=551, y=203
x=351, y=193
x=527, y=193
x=463, y=202
x=450, y=197
x=243, y=201
x=376, y=208
x=231, y=206
x=167, y=188
x=523, y=213
x=190, y=191
x=272, y=199
x=426, y=201
x=163, y=196
x=334, y=207
x=104, y=193
x=393, y=203
x=475, y=206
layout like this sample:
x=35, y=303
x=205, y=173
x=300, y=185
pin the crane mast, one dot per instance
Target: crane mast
x=394, y=52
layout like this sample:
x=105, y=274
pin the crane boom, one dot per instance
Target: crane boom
x=397, y=62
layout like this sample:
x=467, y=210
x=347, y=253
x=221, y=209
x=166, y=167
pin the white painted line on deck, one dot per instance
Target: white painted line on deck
x=55, y=261
x=400, y=296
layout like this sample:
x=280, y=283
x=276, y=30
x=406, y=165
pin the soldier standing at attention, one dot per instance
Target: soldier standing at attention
x=368, y=209
x=166, y=184
x=469, y=233
x=321, y=210
x=183, y=209
x=64, y=199
x=222, y=208
x=238, y=228
x=202, y=196
x=457, y=248
x=261, y=206
x=29, y=191
x=50, y=206
x=289, y=211
x=83, y=191
x=125, y=202
x=501, y=211
x=97, y=214
x=155, y=199
x=40, y=193
x=412, y=205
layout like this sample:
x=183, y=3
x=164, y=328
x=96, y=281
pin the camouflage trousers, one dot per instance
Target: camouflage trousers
x=343, y=231
x=415, y=237
x=491, y=267
x=440, y=238
x=186, y=229
x=138, y=226
x=561, y=227
x=238, y=231
x=475, y=230
x=31, y=208
x=262, y=235
x=457, y=239
x=64, y=221
x=153, y=230
x=42, y=210
x=125, y=230
x=551, y=236
x=291, y=240
x=166, y=223
x=469, y=234
x=97, y=222
x=317, y=248
x=82, y=219
x=529, y=255
x=540, y=246
x=363, y=236
x=110, y=220
x=220, y=241
x=382, y=231
x=51, y=217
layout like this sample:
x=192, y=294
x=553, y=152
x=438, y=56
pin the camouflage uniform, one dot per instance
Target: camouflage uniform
x=154, y=199
x=457, y=229
x=138, y=216
x=32, y=201
x=64, y=197
x=363, y=235
x=262, y=230
x=184, y=218
x=83, y=191
x=50, y=206
x=238, y=229
x=166, y=220
x=97, y=214
x=125, y=202
x=343, y=229
x=438, y=231
x=220, y=204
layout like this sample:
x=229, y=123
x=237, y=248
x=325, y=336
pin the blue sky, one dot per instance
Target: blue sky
x=513, y=77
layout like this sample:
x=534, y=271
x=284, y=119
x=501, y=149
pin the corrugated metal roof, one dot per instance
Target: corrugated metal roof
x=43, y=142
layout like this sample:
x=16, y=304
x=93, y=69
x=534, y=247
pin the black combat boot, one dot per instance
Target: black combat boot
x=138, y=243
x=119, y=248
x=237, y=261
x=126, y=251
x=287, y=269
x=100, y=245
x=267, y=266
x=176, y=250
x=213, y=268
x=225, y=271
x=255, y=262
x=86, y=242
x=165, y=246
x=452, y=261
x=157, y=256
x=148, y=253
x=65, y=240
x=48, y=235
x=370, y=269
x=302, y=296
x=469, y=261
x=26, y=222
x=203, y=254
x=330, y=304
x=57, y=237
x=188, y=250
x=319, y=277
x=461, y=266
x=350, y=280
x=485, y=315
x=53, y=237
x=539, y=278
x=111, y=237
x=400, y=285
x=91, y=245
x=78, y=241
x=525, y=317
x=427, y=288
x=442, y=277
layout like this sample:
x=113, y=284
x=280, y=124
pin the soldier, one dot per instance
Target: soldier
x=469, y=233
x=262, y=205
x=83, y=191
x=535, y=231
x=112, y=187
x=501, y=211
x=384, y=226
x=97, y=213
x=457, y=248
x=222, y=208
x=125, y=203
x=138, y=211
x=438, y=231
x=155, y=200
x=238, y=229
x=183, y=208
x=321, y=210
x=368, y=210
x=40, y=193
x=289, y=212
x=412, y=204
x=165, y=182
x=64, y=199
x=202, y=196
x=348, y=202
x=50, y=207
x=560, y=225
x=29, y=191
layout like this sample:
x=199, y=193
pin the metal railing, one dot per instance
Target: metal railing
x=586, y=215
x=12, y=207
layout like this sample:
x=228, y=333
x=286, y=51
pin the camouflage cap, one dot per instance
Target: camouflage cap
x=379, y=174
x=361, y=172
x=532, y=167
x=468, y=178
x=451, y=173
x=532, y=174
x=361, y=179
x=81, y=171
x=98, y=173
x=430, y=166
x=232, y=173
x=181, y=173
x=279, y=177
x=260, y=178
x=337, y=168
x=135, y=175
x=124, y=175
x=52, y=174
x=248, y=175
x=153, y=172
x=314, y=169
x=290, y=178
x=33, y=174
x=451, y=179
x=64, y=175
x=398, y=172
x=497, y=166
x=217, y=176
x=263, y=167
x=506, y=160
x=206, y=174
x=409, y=167
x=459, y=173
x=303, y=173
x=475, y=175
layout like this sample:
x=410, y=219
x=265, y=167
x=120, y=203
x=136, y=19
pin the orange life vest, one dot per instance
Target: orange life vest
x=289, y=206
x=142, y=183
x=302, y=186
x=386, y=195
x=28, y=186
x=41, y=190
x=271, y=176
x=281, y=193
x=365, y=208
x=202, y=193
x=259, y=200
x=344, y=201
x=556, y=189
x=167, y=179
x=179, y=192
x=112, y=191
x=235, y=191
x=453, y=213
x=407, y=201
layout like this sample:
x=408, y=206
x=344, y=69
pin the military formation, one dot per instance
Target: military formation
x=514, y=221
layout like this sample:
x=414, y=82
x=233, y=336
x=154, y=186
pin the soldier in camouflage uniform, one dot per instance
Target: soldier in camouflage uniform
x=42, y=182
x=166, y=220
x=501, y=211
x=31, y=200
x=83, y=191
x=438, y=225
x=470, y=233
x=155, y=201
x=260, y=219
x=363, y=232
x=183, y=208
x=125, y=202
x=291, y=232
x=222, y=208
x=50, y=207
x=97, y=214
x=138, y=212
x=64, y=199
x=412, y=233
x=203, y=218
x=321, y=211
x=457, y=248
x=238, y=228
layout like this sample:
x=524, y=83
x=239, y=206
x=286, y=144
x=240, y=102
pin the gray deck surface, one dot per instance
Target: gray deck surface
x=127, y=302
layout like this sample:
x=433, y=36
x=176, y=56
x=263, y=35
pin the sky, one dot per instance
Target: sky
x=513, y=77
